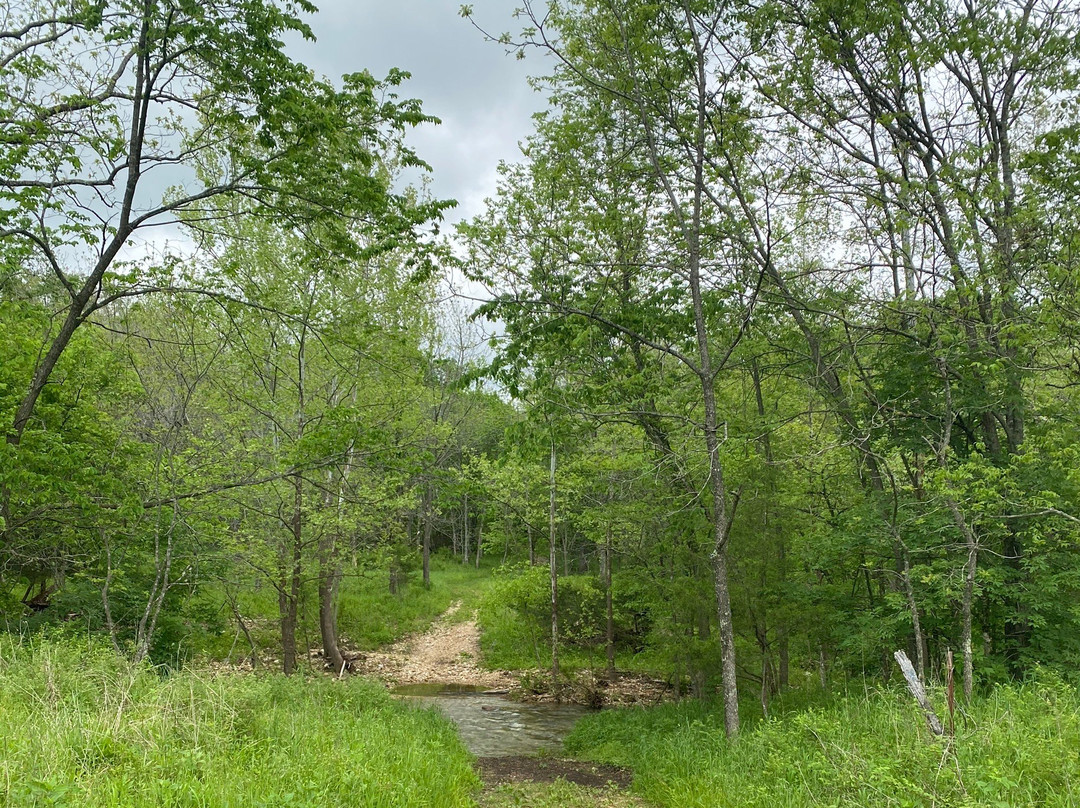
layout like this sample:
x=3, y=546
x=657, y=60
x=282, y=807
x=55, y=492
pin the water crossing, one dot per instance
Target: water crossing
x=492, y=725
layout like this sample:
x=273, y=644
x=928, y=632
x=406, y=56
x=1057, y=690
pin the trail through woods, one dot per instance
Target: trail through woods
x=448, y=652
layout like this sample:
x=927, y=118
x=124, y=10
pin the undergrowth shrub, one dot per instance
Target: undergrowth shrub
x=515, y=618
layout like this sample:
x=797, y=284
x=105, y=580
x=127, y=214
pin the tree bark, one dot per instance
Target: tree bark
x=329, y=579
x=554, y=577
x=609, y=633
x=427, y=535
x=289, y=589
x=465, y=527
x=916, y=623
x=479, y=540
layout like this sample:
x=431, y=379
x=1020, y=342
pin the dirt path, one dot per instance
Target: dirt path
x=448, y=652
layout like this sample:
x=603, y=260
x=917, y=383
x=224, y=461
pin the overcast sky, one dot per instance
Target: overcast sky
x=478, y=91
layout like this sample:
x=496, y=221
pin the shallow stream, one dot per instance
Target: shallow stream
x=492, y=725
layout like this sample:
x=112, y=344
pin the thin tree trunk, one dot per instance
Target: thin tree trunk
x=967, y=605
x=970, y=540
x=85, y=299
x=690, y=227
x=234, y=606
x=565, y=550
x=287, y=612
x=554, y=578
x=162, y=569
x=610, y=627
x=465, y=527
x=479, y=540
x=916, y=623
x=427, y=535
x=783, y=651
x=771, y=521
x=289, y=592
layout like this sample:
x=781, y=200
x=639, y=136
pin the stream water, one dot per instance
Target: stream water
x=493, y=725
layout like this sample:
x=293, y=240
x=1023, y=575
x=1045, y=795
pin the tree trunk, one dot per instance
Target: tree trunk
x=771, y=525
x=465, y=527
x=554, y=578
x=965, y=639
x=427, y=535
x=479, y=540
x=289, y=589
x=84, y=300
x=690, y=227
x=565, y=550
x=782, y=671
x=506, y=523
x=916, y=623
x=393, y=580
x=609, y=634
x=966, y=532
x=329, y=579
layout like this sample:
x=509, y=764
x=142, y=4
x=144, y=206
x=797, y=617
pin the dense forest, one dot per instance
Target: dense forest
x=784, y=374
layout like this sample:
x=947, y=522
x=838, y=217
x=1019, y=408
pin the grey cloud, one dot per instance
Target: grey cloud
x=480, y=93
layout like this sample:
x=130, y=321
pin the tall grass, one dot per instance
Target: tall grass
x=1020, y=746
x=81, y=726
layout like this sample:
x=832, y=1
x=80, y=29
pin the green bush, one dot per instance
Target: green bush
x=515, y=619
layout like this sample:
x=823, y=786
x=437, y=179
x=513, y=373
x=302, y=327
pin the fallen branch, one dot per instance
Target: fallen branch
x=916, y=688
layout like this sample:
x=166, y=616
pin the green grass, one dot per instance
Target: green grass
x=412, y=610
x=1020, y=746
x=369, y=616
x=81, y=726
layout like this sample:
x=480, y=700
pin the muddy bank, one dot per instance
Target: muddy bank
x=594, y=691
x=512, y=782
x=496, y=770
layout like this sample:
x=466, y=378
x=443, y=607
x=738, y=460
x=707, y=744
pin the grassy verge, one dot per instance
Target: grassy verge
x=80, y=726
x=1018, y=747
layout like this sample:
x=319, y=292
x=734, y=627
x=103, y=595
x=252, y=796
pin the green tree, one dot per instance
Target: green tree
x=121, y=117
